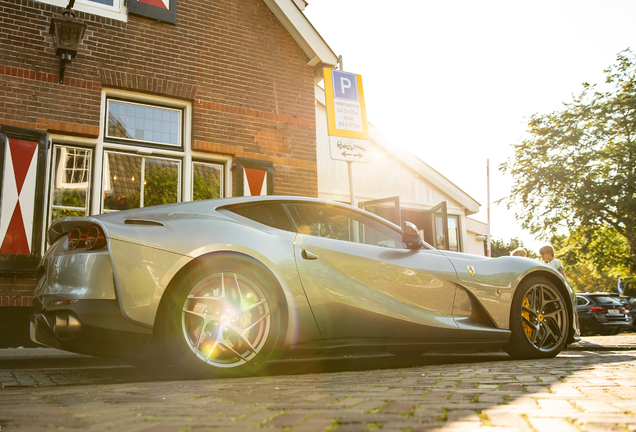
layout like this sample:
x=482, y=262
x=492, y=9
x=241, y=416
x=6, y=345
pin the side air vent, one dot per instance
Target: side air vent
x=142, y=222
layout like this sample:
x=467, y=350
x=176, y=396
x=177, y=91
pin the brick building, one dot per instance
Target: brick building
x=165, y=101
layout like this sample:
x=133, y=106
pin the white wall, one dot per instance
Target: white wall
x=386, y=177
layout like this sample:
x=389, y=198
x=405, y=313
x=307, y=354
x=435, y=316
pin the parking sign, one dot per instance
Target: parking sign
x=346, y=113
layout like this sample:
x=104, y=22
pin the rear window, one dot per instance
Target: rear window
x=606, y=300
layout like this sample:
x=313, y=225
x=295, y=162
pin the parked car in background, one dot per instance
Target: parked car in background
x=601, y=313
x=632, y=311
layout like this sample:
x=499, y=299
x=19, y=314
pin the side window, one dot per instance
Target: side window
x=342, y=224
x=270, y=214
x=70, y=181
x=581, y=301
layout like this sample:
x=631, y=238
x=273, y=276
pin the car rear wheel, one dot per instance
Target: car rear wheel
x=539, y=320
x=223, y=319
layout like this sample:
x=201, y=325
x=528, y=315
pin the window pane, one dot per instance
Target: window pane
x=57, y=213
x=161, y=182
x=70, y=181
x=453, y=233
x=206, y=181
x=143, y=123
x=122, y=181
x=439, y=231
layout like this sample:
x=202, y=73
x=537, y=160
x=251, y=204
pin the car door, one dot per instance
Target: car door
x=362, y=282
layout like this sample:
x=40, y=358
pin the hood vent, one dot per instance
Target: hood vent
x=142, y=222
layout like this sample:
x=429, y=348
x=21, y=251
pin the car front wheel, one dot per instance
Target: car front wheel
x=223, y=319
x=539, y=320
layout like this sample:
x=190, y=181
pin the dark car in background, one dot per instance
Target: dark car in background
x=632, y=311
x=601, y=313
x=630, y=308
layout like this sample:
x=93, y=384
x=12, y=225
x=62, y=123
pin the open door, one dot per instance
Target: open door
x=387, y=208
x=436, y=228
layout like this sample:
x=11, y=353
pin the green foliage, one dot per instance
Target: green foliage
x=206, y=186
x=499, y=248
x=69, y=198
x=593, y=260
x=161, y=186
x=629, y=286
x=577, y=170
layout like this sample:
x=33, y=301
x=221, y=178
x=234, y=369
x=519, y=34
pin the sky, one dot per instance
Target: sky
x=455, y=82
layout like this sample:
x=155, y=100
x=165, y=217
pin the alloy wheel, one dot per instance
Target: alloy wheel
x=544, y=317
x=226, y=320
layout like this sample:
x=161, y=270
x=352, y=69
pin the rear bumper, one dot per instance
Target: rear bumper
x=94, y=327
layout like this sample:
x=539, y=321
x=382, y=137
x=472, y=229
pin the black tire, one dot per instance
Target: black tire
x=539, y=320
x=221, y=319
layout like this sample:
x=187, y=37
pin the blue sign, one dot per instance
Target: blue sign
x=345, y=85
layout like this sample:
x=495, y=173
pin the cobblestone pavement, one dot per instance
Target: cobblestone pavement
x=590, y=387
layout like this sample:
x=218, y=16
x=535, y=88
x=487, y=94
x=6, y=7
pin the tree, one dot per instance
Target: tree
x=499, y=248
x=578, y=167
x=590, y=262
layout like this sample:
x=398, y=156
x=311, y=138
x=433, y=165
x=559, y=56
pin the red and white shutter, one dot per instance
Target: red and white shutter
x=18, y=197
x=255, y=182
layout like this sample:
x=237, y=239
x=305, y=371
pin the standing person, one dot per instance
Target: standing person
x=520, y=252
x=547, y=255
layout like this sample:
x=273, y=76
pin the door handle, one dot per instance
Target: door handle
x=308, y=255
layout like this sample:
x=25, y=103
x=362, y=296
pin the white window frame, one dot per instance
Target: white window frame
x=60, y=141
x=225, y=161
x=118, y=12
x=184, y=154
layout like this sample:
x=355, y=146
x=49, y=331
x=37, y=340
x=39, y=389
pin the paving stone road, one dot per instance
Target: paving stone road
x=590, y=387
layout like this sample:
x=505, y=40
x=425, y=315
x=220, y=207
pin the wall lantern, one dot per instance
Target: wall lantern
x=67, y=32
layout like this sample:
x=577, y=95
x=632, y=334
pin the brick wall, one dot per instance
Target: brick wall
x=251, y=88
x=244, y=73
x=16, y=290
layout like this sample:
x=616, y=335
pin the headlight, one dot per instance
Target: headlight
x=95, y=238
x=75, y=239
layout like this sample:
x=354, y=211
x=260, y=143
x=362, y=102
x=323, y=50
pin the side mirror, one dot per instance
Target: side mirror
x=411, y=236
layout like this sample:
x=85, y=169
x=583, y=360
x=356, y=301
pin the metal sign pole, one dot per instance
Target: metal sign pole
x=349, y=163
x=353, y=195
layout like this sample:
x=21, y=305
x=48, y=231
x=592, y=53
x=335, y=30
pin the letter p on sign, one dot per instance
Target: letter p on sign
x=345, y=85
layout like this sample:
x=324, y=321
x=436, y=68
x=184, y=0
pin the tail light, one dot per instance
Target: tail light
x=597, y=309
x=95, y=238
x=75, y=239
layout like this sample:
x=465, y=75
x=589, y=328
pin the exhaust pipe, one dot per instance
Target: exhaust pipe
x=66, y=326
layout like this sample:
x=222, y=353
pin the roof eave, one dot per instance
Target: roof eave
x=303, y=32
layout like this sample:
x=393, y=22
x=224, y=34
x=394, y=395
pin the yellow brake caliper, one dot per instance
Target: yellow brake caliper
x=526, y=315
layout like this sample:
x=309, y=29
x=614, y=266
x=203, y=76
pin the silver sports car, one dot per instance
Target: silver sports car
x=220, y=286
